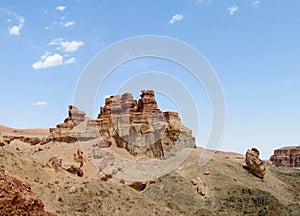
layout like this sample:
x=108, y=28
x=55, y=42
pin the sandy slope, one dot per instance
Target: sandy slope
x=230, y=189
x=24, y=132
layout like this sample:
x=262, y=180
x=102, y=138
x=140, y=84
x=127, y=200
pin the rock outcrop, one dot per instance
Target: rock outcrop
x=286, y=157
x=2, y=143
x=141, y=127
x=75, y=170
x=65, y=132
x=255, y=164
x=57, y=164
x=16, y=198
x=138, y=126
x=32, y=140
x=139, y=186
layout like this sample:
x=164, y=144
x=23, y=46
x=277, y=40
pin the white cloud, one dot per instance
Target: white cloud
x=255, y=4
x=66, y=46
x=70, y=60
x=204, y=2
x=176, y=18
x=70, y=46
x=15, y=30
x=40, y=103
x=55, y=41
x=233, y=9
x=48, y=60
x=60, y=8
x=68, y=24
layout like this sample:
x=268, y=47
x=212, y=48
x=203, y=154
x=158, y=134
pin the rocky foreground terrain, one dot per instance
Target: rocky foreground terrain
x=81, y=168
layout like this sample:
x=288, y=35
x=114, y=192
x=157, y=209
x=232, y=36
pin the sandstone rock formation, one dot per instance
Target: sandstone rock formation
x=138, y=126
x=75, y=170
x=79, y=158
x=16, y=198
x=286, y=156
x=65, y=132
x=2, y=143
x=141, y=127
x=57, y=164
x=256, y=165
x=7, y=139
x=139, y=186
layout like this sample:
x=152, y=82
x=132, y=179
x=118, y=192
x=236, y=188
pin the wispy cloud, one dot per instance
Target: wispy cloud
x=70, y=60
x=176, y=18
x=40, y=103
x=55, y=41
x=233, y=9
x=66, y=46
x=60, y=8
x=68, y=24
x=255, y=4
x=288, y=82
x=204, y=2
x=70, y=46
x=15, y=29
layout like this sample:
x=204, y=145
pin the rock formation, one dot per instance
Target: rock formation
x=75, y=170
x=79, y=158
x=138, y=126
x=139, y=186
x=256, y=165
x=16, y=198
x=141, y=127
x=2, y=143
x=286, y=156
x=65, y=132
x=7, y=139
x=57, y=164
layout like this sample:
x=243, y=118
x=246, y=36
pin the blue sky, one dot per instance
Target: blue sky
x=253, y=46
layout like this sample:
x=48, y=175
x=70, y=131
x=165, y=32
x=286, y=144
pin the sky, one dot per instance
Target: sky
x=252, y=45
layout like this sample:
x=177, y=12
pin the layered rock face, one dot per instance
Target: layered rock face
x=141, y=127
x=256, y=165
x=138, y=126
x=16, y=198
x=286, y=156
x=65, y=132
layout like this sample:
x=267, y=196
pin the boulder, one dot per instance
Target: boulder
x=2, y=143
x=255, y=164
x=139, y=186
x=75, y=171
x=199, y=185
